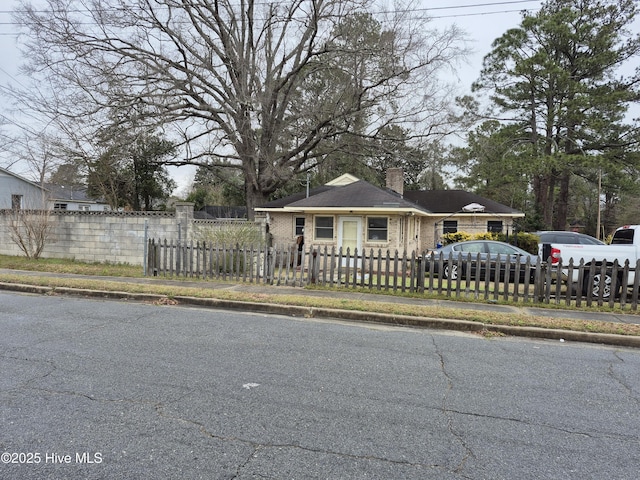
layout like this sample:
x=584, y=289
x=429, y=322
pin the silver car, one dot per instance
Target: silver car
x=483, y=250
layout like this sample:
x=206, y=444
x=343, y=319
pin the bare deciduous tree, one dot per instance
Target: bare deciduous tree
x=259, y=86
x=30, y=230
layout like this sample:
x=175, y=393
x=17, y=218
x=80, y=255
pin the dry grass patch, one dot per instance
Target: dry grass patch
x=59, y=265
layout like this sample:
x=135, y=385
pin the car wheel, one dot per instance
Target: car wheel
x=592, y=285
x=450, y=271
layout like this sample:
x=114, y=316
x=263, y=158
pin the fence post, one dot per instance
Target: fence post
x=541, y=273
x=147, y=256
x=270, y=262
x=314, y=264
x=146, y=246
x=157, y=247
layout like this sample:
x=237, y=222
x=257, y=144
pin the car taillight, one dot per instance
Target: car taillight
x=555, y=255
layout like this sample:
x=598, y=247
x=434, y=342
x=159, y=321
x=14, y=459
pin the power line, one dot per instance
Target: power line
x=425, y=9
x=416, y=10
x=434, y=17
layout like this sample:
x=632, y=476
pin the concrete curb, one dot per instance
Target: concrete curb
x=351, y=315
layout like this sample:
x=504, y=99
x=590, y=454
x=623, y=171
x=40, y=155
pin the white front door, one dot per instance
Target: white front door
x=350, y=235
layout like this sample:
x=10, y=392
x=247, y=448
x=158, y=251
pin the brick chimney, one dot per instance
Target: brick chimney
x=395, y=180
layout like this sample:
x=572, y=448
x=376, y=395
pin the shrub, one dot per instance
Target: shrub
x=489, y=236
x=448, y=238
x=526, y=241
x=30, y=230
x=231, y=234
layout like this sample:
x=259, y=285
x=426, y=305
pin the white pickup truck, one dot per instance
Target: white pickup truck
x=624, y=246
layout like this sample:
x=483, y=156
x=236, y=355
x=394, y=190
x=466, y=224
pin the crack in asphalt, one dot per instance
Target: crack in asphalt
x=632, y=393
x=258, y=446
x=11, y=354
x=38, y=376
x=448, y=413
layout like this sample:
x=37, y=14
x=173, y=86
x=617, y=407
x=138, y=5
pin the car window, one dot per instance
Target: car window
x=548, y=238
x=623, y=237
x=501, y=248
x=568, y=238
x=587, y=240
x=472, y=247
x=560, y=238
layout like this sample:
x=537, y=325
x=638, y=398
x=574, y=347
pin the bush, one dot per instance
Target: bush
x=448, y=238
x=526, y=241
x=489, y=236
x=230, y=234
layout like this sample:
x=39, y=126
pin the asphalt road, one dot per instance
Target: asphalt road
x=104, y=389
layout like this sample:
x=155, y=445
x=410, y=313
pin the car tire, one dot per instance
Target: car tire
x=450, y=271
x=591, y=285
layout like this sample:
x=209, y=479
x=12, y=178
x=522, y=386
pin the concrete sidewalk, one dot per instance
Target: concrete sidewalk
x=370, y=316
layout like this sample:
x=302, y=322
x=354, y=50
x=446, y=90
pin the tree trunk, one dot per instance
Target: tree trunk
x=544, y=186
x=549, y=202
x=254, y=197
x=562, y=202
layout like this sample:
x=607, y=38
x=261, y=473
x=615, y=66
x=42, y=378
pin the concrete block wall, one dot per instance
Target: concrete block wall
x=116, y=237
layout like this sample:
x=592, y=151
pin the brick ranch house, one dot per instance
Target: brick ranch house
x=351, y=213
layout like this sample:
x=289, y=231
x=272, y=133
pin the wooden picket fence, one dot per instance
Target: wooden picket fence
x=389, y=272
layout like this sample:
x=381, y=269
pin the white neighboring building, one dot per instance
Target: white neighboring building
x=17, y=192
x=73, y=198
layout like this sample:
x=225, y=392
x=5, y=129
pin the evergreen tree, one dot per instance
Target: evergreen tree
x=556, y=78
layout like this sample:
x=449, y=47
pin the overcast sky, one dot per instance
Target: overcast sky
x=483, y=21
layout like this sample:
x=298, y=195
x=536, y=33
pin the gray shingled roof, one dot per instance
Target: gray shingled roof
x=285, y=201
x=452, y=201
x=360, y=194
x=64, y=193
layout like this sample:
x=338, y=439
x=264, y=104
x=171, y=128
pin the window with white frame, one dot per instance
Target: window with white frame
x=299, y=226
x=494, y=226
x=323, y=227
x=450, y=226
x=377, y=229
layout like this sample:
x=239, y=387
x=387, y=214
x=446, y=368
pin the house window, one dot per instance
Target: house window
x=59, y=206
x=16, y=202
x=324, y=227
x=299, y=225
x=84, y=208
x=377, y=229
x=494, y=226
x=450, y=226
